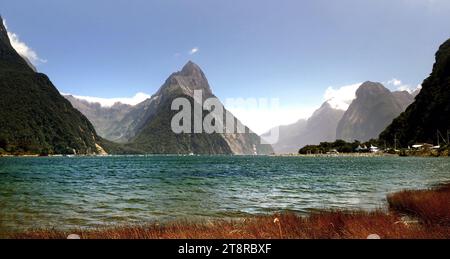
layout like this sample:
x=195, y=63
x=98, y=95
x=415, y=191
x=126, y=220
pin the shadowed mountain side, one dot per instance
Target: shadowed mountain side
x=430, y=112
x=35, y=118
x=157, y=137
x=151, y=132
x=404, y=99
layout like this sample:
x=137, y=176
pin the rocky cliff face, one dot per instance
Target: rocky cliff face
x=152, y=133
x=404, y=98
x=373, y=109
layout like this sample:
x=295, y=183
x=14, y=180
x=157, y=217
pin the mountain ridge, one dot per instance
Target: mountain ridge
x=35, y=118
x=429, y=114
x=369, y=114
x=146, y=125
x=182, y=84
x=321, y=126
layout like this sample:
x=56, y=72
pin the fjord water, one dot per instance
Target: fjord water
x=79, y=192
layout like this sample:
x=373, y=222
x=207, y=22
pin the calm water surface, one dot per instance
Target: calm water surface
x=78, y=192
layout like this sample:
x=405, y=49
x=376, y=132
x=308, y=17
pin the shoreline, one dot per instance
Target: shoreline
x=412, y=154
x=413, y=214
x=340, y=155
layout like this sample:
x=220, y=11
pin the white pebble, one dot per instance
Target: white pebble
x=73, y=236
x=373, y=236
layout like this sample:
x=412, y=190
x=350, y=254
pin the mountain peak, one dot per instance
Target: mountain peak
x=369, y=114
x=371, y=88
x=190, y=68
x=336, y=104
x=327, y=106
x=9, y=58
x=371, y=84
x=190, y=78
x=190, y=63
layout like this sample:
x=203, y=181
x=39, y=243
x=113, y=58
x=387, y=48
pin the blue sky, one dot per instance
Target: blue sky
x=291, y=50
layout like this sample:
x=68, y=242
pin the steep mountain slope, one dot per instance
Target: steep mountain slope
x=34, y=117
x=369, y=114
x=430, y=111
x=10, y=60
x=158, y=138
x=404, y=98
x=153, y=133
x=320, y=127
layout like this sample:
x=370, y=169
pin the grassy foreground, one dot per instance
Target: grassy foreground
x=427, y=211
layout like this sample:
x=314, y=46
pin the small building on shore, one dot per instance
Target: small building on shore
x=361, y=148
x=422, y=146
x=374, y=149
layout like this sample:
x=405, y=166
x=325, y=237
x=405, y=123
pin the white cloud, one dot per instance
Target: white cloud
x=398, y=85
x=193, y=51
x=108, y=102
x=262, y=118
x=404, y=88
x=341, y=97
x=409, y=89
x=395, y=82
x=23, y=49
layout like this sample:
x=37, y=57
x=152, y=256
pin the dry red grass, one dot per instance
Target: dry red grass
x=322, y=225
x=430, y=206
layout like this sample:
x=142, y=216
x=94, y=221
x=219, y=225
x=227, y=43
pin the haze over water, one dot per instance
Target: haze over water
x=79, y=192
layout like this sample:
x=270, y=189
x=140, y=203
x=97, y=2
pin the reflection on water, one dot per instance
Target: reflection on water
x=79, y=192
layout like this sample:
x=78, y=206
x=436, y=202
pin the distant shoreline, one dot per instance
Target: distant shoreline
x=272, y=155
x=340, y=155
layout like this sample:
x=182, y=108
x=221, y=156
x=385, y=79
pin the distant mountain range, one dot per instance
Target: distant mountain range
x=147, y=125
x=321, y=126
x=104, y=119
x=368, y=115
x=34, y=117
x=429, y=116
